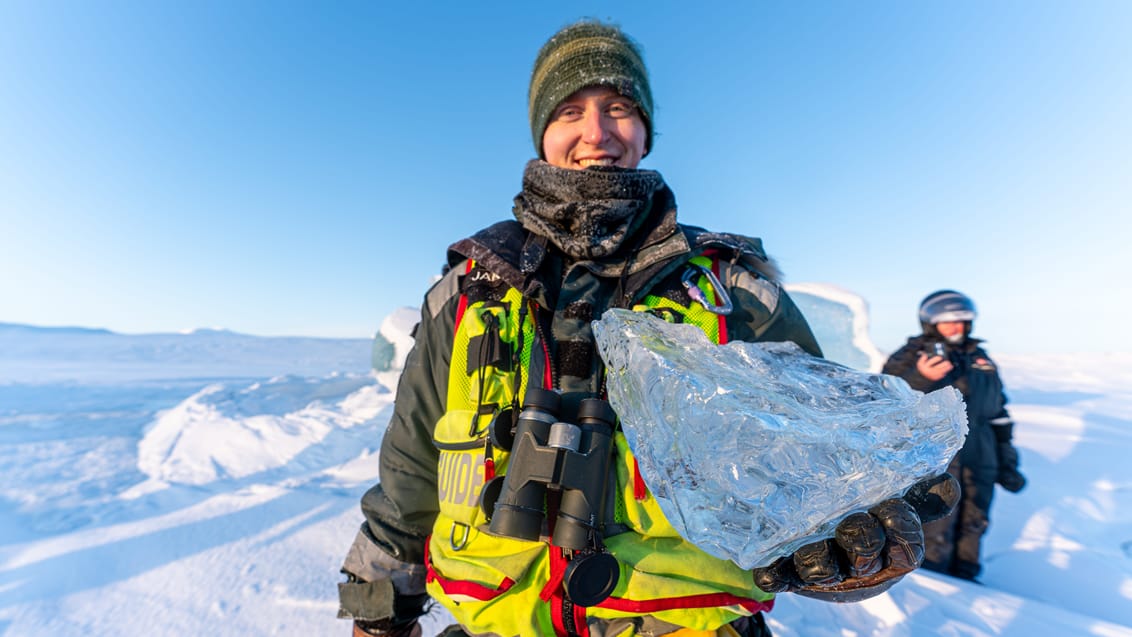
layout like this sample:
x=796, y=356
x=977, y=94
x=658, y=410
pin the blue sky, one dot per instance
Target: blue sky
x=300, y=168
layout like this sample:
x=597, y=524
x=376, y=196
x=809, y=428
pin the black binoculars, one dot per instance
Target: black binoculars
x=547, y=453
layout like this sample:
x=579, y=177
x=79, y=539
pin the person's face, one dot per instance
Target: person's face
x=950, y=330
x=595, y=126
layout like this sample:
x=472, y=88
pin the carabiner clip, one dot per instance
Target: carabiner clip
x=452, y=536
x=724, y=308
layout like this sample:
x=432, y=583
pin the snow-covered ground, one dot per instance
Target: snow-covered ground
x=208, y=484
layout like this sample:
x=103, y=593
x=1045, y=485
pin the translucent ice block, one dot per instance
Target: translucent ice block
x=753, y=450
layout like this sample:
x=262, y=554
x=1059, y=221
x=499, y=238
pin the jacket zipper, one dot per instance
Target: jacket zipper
x=568, y=617
x=541, y=331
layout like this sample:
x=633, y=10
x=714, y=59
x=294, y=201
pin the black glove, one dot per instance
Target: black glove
x=869, y=551
x=1008, y=476
x=406, y=610
x=398, y=613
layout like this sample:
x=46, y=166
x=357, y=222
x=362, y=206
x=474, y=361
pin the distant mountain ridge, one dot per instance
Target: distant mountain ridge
x=20, y=328
x=30, y=353
x=197, y=331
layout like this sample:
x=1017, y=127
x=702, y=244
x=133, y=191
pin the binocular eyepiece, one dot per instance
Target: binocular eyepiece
x=547, y=453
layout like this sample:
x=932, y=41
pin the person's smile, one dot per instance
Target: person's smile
x=596, y=126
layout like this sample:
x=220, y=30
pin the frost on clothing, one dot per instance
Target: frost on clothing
x=561, y=296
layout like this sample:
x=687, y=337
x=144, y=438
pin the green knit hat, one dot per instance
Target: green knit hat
x=587, y=53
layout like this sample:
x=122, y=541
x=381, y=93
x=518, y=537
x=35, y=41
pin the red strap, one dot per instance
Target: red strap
x=463, y=298
x=554, y=594
x=722, y=319
x=557, y=570
x=467, y=589
x=547, y=377
x=556, y=616
x=640, y=489
x=581, y=626
x=707, y=600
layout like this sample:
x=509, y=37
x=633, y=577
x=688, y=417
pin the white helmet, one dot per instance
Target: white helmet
x=945, y=306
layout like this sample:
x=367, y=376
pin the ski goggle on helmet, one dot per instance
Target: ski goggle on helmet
x=945, y=306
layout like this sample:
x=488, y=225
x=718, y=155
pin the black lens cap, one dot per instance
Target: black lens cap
x=590, y=578
x=490, y=494
x=502, y=431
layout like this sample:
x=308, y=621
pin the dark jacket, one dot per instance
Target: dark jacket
x=401, y=509
x=976, y=377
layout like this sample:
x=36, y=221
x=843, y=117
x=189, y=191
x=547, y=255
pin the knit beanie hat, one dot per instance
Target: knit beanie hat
x=587, y=53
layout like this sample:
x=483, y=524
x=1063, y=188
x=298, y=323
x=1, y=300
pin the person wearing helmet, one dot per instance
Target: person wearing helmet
x=945, y=354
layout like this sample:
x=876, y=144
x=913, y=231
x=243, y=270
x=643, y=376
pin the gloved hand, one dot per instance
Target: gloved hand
x=400, y=612
x=386, y=628
x=1008, y=475
x=869, y=552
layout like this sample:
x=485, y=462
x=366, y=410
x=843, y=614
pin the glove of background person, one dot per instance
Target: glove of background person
x=385, y=628
x=1009, y=477
x=869, y=552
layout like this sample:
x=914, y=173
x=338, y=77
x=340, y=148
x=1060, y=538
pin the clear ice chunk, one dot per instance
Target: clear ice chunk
x=753, y=450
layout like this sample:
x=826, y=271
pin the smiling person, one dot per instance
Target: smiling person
x=944, y=355
x=480, y=512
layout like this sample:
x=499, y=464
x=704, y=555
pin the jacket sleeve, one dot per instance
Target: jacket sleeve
x=763, y=311
x=385, y=564
x=1001, y=423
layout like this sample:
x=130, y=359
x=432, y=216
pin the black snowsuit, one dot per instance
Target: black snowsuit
x=952, y=545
